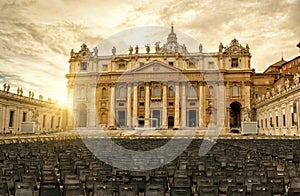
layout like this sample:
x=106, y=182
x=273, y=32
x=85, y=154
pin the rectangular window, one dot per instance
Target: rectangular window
x=44, y=121
x=171, y=63
x=276, y=121
x=262, y=123
x=24, y=117
x=171, y=103
x=234, y=62
x=283, y=119
x=52, y=121
x=104, y=67
x=11, y=118
x=142, y=104
x=271, y=122
x=121, y=104
x=122, y=66
x=235, y=91
x=210, y=65
x=83, y=66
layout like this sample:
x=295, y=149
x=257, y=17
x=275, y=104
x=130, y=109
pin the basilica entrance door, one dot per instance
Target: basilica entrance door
x=235, y=115
x=170, y=121
x=155, y=118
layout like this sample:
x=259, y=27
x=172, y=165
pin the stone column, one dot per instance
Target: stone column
x=134, y=107
x=177, y=97
x=221, y=107
x=164, y=108
x=112, y=106
x=91, y=116
x=71, y=107
x=183, y=105
x=147, y=106
x=201, y=105
x=128, y=115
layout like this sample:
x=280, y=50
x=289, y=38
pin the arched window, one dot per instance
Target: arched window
x=192, y=91
x=156, y=91
x=104, y=93
x=171, y=92
x=235, y=91
x=122, y=92
x=142, y=92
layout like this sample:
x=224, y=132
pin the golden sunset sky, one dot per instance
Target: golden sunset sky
x=36, y=36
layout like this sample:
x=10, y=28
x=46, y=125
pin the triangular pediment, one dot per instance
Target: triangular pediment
x=154, y=67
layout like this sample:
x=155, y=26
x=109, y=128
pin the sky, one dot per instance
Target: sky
x=36, y=36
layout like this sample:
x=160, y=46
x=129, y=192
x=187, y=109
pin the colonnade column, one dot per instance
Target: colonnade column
x=128, y=115
x=201, y=105
x=183, y=105
x=134, y=107
x=164, y=108
x=147, y=108
x=112, y=106
x=177, y=96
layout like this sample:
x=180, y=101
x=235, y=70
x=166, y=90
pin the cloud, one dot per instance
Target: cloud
x=37, y=36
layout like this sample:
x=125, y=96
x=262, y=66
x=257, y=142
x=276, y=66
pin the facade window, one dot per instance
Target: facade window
x=235, y=91
x=122, y=66
x=271, y=122
x=83, y=66
x=52, y=122
x=104, y=93
x=234, y=63
x=156, y=91
x=122, y=92
x=283, y=118
x=171, y=103
x=171, y=92
x=24, y=117
x=171, y=63
x=142, y=104
x=104, y=67
x=262, y=123
x=44, y=121
x=210, y=65
x=192, y=91
x=142, y=92
x=11, y=118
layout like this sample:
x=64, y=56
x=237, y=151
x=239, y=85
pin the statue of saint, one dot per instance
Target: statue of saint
x=296, y=78
x=95, y=51
x=147, y=48
x=72, y=53
x=29, y=93
x=8, y=87
x=221, y=47
x=18, y=91
x=4, y=87
x=184, y=48
x=21, y=91
x=200, y=48
x=114, y=50
x=247, y=48
x=157, y=47
x=130, y=50
x=287, y=83
x=136, y=49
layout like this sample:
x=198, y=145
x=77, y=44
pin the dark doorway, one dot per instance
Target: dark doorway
x=82, y=115
x=192, y=118
x=235, y=115
x=141, y=121
x=121, y=118
x=155, y=118
x=170, y=122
